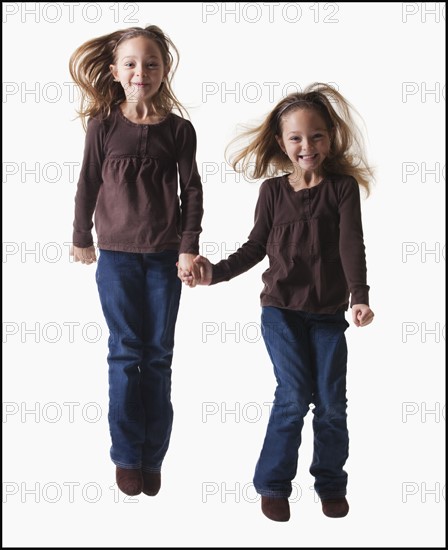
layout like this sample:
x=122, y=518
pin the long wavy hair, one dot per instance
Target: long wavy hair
x=263, y=156
x=89, y=68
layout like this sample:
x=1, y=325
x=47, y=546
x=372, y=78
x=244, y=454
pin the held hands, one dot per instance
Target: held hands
x=83, y=255
x=362, y=315
x=194, y=270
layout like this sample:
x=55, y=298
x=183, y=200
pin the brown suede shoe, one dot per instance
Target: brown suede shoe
x=151, y=483
x=335, y=507
x=275, y=508
x=130, y=482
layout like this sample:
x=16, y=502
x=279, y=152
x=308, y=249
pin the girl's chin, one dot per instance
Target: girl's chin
x=133, y=91
x=308, y=166
x=138, y=96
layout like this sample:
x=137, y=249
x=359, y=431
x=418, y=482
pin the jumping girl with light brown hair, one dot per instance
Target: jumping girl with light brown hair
x=136, y=151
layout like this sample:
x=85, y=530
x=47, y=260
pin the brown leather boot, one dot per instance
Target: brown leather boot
x=275, y=508
x=130, y=482
x=335, y=507
x=151, y=483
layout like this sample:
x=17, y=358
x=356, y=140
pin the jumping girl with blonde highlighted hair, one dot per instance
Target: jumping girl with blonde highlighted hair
x=308, y=222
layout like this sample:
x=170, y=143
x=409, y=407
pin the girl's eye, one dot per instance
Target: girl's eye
x=317, y=136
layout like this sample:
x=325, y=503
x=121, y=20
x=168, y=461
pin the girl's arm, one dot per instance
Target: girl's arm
x=191, y=195
x=250, y=254
x=191, y=198
x=351, y=243
x=89, y=184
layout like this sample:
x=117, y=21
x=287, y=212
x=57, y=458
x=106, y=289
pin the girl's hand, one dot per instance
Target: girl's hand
x=201, y=273
x=83, y=255
x=187, y=271
x=205, y=269
x=362, y=315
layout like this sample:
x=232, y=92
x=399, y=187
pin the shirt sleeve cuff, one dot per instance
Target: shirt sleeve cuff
x=219, y=274
x=82, y=239
x=360, y=296
x=189, y=243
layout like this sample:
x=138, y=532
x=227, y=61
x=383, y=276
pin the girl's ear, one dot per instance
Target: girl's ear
x=281, y=144
x=114, y=72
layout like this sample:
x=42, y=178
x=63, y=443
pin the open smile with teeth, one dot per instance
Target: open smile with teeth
x=308, y=157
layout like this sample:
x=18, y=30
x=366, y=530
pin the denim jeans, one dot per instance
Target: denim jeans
x=139, y=295
x=309, y=354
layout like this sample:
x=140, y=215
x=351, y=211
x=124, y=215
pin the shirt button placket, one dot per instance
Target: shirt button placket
x=307, y=203
x=307, y=209
x=144, y=141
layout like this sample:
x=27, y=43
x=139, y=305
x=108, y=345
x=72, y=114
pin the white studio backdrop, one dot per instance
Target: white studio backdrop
x=237, y=61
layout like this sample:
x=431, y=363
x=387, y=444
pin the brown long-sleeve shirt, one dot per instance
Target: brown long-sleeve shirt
x=129, y=178
x=314, y=241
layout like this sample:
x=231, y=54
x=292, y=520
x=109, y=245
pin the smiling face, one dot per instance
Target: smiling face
x=305, y=138
x=139, y=68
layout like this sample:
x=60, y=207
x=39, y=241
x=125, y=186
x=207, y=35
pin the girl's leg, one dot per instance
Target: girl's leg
x=286, y=338
x=162, y=295
x=330, y=417
x=120, y=279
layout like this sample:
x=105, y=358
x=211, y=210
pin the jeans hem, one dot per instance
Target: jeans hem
x=332, y=496
x=151, y=470
x=273, y=494
x=127, y=466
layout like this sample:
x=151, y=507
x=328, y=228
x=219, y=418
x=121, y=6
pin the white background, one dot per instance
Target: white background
x=58, y=479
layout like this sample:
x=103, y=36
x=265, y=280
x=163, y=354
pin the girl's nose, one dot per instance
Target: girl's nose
x=140, y=70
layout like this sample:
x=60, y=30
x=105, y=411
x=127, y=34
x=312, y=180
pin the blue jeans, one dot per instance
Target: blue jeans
x=139, y=295
x=309, y=354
